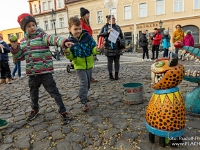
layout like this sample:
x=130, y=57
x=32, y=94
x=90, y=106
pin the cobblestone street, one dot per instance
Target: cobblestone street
x=109, y=124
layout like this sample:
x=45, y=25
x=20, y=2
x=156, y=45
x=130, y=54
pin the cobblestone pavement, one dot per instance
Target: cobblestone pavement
x=109, y=124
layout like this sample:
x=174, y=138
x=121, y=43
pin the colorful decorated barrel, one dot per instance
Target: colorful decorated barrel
x=133, y=93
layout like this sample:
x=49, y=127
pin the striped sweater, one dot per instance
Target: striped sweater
x=35, y=50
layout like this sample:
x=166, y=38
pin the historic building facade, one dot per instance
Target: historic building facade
x=13, y=31
x=42, y=11
x=133, y=16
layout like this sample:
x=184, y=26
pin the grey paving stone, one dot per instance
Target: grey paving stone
x=57, y=135
x=5, y=146
x=8, y=139
x=74, y=137
x=64, y=145
x=41, y=135
x=66, y=130
x=121, y=144
x=111, y=133
x=41, y=145
x=53, y=128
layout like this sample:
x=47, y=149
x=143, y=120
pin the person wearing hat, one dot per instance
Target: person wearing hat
x=34, y=48
x=15, y=61
x=166, y=42
x=85, y=22
x=188, y=40
x=4, y=65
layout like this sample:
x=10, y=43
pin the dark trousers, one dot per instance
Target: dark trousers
x=155, y=48
x=110, y=63
x=5, y=69
x=145, y=51
x=49, y=84
x=165, y=54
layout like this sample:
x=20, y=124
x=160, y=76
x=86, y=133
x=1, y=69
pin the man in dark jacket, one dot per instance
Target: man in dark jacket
x=4, y=66
x=143, y=41
x=112, y=50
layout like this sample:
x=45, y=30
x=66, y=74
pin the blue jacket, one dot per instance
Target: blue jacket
x=4, y=56
x=81, y=53
x=166, y=41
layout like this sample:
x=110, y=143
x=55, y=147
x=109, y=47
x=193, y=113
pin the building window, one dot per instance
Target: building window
x=49, y=5
x=35, y=8
x=99, y=17
x=196, y=4
x=159, y=7
x=46, y=26
x=9, y=35
x=59, y=4
x=113, y=11
x=143, y=10
x=127, y=12
x=52, y=24
x=44, y=6
x=19, y=35
x=178, y=5
x=61, y=22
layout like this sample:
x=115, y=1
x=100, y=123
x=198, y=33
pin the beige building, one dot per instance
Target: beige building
x=143, y=14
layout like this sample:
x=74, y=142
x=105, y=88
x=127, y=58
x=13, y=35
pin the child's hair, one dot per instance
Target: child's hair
x=74, y=21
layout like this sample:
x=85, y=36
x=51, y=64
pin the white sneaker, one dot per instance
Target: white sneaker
x=149, y=60
x=142, y=59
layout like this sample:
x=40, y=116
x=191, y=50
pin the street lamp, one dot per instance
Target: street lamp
x=160, y=24
x=53, y=15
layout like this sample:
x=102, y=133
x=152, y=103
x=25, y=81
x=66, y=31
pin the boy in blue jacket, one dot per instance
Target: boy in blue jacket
x=81, y=53
x=4, y=66
x=166, y=42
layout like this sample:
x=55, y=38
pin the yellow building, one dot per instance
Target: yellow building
x=13, y=31
x=133, y=16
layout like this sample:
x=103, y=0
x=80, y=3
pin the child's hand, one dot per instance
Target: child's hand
x=69, y=44
x=1, y=46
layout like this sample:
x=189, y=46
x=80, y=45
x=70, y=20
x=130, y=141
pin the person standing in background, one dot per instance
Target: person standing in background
x=188, y=40
x=4, y=65
x=144, y=44
x=178, y=35
x=85, y=22
x=166, y=42
x=157, y=37
x=13, y=39
x=112, y=50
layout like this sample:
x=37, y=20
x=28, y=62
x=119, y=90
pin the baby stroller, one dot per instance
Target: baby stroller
x=70, y=66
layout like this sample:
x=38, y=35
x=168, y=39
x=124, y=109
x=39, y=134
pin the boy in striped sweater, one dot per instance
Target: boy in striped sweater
x=34, y=48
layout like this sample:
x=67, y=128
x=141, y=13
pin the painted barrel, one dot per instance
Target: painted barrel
x=133, y=93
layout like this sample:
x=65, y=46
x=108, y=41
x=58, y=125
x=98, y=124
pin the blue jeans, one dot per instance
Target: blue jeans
x=17, y=68
x=50, y=86
x=84, y=77
x=165, y=54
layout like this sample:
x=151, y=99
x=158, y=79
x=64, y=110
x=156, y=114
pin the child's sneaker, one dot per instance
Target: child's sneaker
x=32, y=115
x=3, y=124
x=85, y=107
x=65, y=119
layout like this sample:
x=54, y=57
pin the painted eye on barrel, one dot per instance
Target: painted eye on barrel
x=160, y=64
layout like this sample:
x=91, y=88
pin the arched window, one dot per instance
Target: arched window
x=195, y=32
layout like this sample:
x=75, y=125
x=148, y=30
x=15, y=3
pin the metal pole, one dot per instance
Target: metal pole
x=57, y=52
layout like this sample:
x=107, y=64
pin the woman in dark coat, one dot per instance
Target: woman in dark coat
x=112, y=50
x=144, y=44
